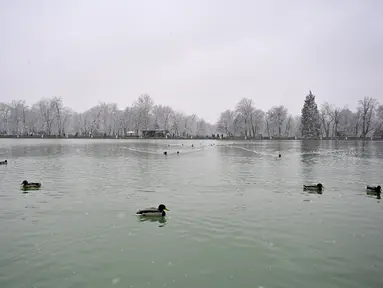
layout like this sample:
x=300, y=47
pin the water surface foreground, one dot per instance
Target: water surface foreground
x=238, y=216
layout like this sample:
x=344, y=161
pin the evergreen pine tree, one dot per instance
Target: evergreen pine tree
x=310, y=122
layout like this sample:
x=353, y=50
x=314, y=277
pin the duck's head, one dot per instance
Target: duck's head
x=5, y=161
x=178, y=152
x=165, y=153
x=279, y=155
x=25, y=182
x=162, y=207
x=378, y=188
x=320, y=186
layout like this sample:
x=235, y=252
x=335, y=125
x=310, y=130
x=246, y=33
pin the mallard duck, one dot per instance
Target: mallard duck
x=374, y=190
x=5, y=162
x=30, y=186
x=314, y=188
x=154, y=212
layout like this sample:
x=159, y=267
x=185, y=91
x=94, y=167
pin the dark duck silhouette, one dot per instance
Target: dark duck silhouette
x=153, y=212
x=374, y=191
x=318, y=188
x=25, y=185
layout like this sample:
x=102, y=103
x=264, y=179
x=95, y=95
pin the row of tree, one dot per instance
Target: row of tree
x=51, y=117
x=327, y=121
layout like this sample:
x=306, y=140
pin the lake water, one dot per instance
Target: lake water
x=238, y=216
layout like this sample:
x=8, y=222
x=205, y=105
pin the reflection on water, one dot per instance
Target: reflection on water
x=239, y=215
x=161, y=220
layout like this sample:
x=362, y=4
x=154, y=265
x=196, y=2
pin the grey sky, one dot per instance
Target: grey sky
x=197, y=56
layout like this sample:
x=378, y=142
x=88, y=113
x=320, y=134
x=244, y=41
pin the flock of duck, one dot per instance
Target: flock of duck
x=318, y=188
x=147, y=212
x=160, y=210
x=178, y=152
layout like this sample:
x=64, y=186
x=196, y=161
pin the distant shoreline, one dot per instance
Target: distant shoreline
x=184, y=138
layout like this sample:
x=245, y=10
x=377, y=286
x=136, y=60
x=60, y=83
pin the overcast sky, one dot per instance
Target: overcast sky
x=198, y=56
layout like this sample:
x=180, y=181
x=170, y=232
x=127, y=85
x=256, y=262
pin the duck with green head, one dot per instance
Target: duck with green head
x=374, y=191
x=153, y=212
x=25, y=185
x=5, y=162
x=318, y=188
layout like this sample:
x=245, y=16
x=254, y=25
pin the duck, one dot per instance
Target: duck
x=279, y=155
x=153, y=212
x=30, y=186
x=165, y=153
x=5, y=162
x=315, y=188
x=374, y=190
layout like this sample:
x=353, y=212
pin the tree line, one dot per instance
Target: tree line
x=49, y=116
x=245, y=120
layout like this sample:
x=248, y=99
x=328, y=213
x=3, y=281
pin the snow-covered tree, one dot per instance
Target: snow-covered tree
x=245, y=109
x=367, y=108
x=310, y=125
x=225, y=122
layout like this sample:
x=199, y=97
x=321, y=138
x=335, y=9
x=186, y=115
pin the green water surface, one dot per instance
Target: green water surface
x=238, y=216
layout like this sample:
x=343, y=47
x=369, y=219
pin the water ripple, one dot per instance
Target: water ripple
x=236, y=204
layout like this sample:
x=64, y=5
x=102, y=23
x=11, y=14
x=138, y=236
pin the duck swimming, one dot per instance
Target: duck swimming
x=153, y=212
x=315, y=188
x=165, y=153
x=5, y=162
x=374, y=190
x=30, y=186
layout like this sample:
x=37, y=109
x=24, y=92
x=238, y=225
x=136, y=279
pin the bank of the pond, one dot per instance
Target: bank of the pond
x=186, y=138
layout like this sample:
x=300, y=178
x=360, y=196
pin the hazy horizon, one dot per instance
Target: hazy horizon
x=198, y=57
